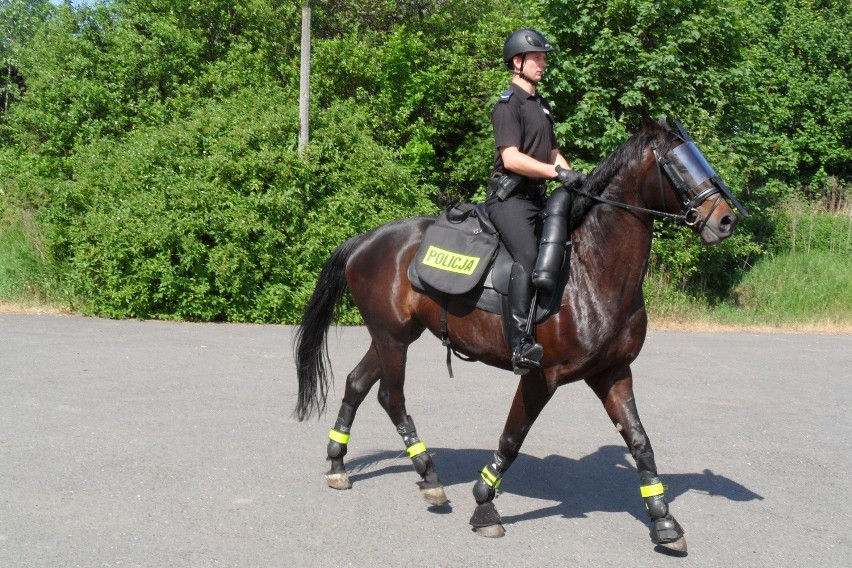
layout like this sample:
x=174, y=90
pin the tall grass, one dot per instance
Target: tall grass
x=807, y=275
x=802, y=281
x=807, y=227
x=27, y=278
x=794, y=288
x=792, y=291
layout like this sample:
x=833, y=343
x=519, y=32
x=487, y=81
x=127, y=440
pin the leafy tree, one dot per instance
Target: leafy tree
x=798, y=116
x=616, y=57
x=156, y=139
x=430, y=81
x=101, y=71
x=613, y=60
x=19, y=20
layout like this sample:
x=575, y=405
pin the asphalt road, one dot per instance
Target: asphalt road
x=128, y=443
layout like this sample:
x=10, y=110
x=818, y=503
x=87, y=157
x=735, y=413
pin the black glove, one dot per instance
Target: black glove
x=569, y=179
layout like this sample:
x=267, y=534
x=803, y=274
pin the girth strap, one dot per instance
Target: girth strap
x=445, y=337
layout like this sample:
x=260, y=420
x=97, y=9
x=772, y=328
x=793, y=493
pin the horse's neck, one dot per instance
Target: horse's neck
x=609, y=260
x=610, y=256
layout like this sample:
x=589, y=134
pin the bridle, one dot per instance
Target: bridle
x=688, y=171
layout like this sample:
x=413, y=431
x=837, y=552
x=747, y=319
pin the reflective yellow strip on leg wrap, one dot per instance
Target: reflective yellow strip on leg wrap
x=416, y=449
x=490, y=479
x=651, y=490
x=338, y=437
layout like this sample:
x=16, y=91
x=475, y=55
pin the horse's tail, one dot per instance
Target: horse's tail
x=313, y=366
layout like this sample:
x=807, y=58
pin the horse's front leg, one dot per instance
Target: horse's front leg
x=616, y=394
x=392, y=399
x=530, y=398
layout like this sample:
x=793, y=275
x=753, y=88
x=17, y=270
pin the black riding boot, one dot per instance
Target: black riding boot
x=526, y=352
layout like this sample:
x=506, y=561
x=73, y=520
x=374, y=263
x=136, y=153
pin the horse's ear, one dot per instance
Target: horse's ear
x=647, y=122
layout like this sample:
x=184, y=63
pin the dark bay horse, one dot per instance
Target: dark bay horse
x=594, y=336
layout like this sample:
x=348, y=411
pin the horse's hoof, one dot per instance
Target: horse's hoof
x=667, y=533
x=491, y=531
x=486, y=521
x=678, y=546
x=338, y=480
x=434, y=495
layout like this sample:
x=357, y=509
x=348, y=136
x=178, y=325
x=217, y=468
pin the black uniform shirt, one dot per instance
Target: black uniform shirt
x=522, y=120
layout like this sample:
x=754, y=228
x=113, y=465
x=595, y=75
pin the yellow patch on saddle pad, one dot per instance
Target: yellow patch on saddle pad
x=450, y=261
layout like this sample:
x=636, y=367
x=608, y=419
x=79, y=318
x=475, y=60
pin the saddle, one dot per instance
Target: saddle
x=461, y=255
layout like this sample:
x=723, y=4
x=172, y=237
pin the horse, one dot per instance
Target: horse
x=594, y=335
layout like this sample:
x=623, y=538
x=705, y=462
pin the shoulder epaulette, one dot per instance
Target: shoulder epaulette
x=504, y=98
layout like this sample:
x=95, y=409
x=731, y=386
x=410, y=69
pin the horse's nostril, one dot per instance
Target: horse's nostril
x=726, y=224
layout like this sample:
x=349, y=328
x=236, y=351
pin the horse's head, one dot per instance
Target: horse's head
x=702, y=196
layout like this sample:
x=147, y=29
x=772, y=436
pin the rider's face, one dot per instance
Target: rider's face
x=534, y=65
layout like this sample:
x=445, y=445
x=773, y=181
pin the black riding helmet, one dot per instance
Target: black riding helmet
x=521, y=42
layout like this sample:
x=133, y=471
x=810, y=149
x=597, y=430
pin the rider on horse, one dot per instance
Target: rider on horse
x=526, y=156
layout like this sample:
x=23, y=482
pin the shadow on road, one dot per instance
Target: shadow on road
x=605, y=481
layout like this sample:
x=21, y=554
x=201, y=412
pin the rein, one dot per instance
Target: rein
x=679, y=217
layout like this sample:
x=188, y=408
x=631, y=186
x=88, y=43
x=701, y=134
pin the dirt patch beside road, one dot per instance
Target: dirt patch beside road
x=653, y=324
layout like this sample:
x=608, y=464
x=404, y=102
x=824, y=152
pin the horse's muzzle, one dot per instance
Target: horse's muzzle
x=718, y=228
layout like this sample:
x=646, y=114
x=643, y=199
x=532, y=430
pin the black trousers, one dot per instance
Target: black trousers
x=518, y=220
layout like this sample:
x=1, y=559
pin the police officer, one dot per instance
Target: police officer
x=526, y=156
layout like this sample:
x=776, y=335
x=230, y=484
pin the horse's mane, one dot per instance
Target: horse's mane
x=600, y=178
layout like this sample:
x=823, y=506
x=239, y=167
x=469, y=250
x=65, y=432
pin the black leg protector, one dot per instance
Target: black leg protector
x=416, y=450
x=554, y=236
x=664, y=527
x=338, y=438
x=491, y=476
x=484, y=491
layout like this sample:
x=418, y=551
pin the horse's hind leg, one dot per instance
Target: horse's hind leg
x=358, y=385
x=616, y=393
x=393, y=355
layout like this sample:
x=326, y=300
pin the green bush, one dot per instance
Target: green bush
x=216, y=218
x=156, y=139
x=708, y=273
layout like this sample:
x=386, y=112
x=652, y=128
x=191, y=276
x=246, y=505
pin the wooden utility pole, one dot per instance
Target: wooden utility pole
x=305, y=79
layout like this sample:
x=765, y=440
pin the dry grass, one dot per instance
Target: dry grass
x=715, y=327
x=31, y=308
x=655, y=324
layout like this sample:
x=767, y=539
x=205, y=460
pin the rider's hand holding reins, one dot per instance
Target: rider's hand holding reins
x=569, y=178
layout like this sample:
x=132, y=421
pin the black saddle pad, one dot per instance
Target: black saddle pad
x=461, y=251
x=456, y=251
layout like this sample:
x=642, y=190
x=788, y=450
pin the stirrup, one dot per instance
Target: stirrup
x=525, y=360
x=521, y=366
